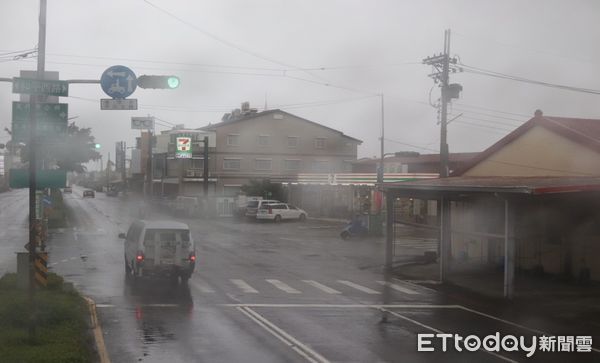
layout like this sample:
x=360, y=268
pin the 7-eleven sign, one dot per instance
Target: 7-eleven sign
x=184, y=148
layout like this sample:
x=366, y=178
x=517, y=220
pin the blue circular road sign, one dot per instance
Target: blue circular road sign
x=118, y=81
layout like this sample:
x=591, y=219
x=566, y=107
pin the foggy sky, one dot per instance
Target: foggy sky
x=368, y=46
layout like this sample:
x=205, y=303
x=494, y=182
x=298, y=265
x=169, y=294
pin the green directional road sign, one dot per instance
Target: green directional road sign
x=51, y=120
x=40, y=87
x=19, y=178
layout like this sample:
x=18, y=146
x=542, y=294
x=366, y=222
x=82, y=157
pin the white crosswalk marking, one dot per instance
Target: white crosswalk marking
x=244, y=286
x=322, y=287
x=398, y=288
x=359, y=287
x=203, y=287
x=282, y=286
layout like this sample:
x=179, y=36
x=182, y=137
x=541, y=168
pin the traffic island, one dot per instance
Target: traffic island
x=61, y=321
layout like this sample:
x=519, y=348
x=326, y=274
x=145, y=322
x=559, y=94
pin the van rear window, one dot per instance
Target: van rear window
x=253, y=204
x=167, y=235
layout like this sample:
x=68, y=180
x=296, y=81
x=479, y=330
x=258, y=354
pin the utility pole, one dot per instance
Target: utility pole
x=381, y=169
x=205, y=168
x=108, y=173
x=33, y=230
x=443, y=65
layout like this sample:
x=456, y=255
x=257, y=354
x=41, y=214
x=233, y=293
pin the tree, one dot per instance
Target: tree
x=70, y=153
x=263, y=188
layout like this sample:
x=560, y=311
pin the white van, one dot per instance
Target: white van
x=159, y=249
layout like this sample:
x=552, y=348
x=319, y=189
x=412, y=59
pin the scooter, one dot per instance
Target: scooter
x=352, y=230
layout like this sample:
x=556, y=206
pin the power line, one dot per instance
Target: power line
x=411, y=145
x=494, y=122
x=485, y=72
x=491, y=128
x=528, y=49
x=225, y=41
x=488, y=115
x=492, y=110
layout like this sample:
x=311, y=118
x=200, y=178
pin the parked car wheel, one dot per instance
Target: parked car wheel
x=302, y=217
x=345, y=235
x=277, y=219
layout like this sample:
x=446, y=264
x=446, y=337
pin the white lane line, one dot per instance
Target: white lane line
x=398, y=288
x=359, y=287
x=322, y=287
x=65, y=260
x=299, y=347
x=291, y=239
x=349, y=306
x=244, y=286
x=441, y=332
x=283, y=286
x=203, y=287
x=540, y=332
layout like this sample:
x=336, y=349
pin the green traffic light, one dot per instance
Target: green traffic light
x=97, y=146
x=173, y=82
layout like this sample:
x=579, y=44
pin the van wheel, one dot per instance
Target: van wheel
x=302, y=217
x=277, y=219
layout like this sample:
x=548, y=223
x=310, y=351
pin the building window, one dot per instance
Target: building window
x=233, y=140
x=197, y=163
x=347, y=166
x=263, y=140
x=232, y=164
x=293, y=141
x=320, y=166
x=290, y=164
x=320, y=143
x=263, y=164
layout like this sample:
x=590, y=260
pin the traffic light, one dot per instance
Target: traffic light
x=162, y=82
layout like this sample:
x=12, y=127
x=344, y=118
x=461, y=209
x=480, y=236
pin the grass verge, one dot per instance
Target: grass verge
x=61, y=320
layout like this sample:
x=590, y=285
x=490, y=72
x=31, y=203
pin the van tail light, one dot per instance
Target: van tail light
x=139, y=257
x=192, y=257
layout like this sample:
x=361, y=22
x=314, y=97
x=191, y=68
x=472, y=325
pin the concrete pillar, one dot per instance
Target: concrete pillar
x=509, y=250
x=389, y=231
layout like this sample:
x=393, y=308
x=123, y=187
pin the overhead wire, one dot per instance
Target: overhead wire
x=225, y=41
x=489, y=73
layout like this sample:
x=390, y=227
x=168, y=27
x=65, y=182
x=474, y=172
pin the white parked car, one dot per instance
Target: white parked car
x=159, y=249
x=280, y=211
x=254, y=205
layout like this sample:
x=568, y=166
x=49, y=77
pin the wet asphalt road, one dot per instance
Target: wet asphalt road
x=261, y=292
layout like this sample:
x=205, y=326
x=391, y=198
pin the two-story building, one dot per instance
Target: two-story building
x=275, y=145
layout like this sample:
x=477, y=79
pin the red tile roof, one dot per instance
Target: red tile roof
x=519, y=185
x=582, y=131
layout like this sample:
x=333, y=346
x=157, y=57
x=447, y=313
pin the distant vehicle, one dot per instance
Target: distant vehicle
x=186, y=206
x=280, y=211
x=67, y=190
x=253, y=206
x=159, y=249
x=89, y=193
x=112, y=193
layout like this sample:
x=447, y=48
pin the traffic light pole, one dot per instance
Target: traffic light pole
x=33, y=231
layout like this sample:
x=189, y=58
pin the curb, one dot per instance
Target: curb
x=98, y=337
